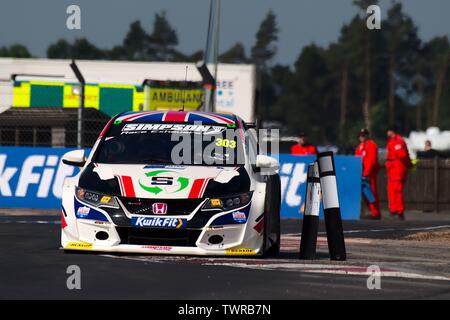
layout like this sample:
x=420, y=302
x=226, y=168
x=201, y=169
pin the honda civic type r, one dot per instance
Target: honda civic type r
x=167, y=182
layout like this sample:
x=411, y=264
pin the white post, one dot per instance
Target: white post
x=332, y=211
x=310, y=227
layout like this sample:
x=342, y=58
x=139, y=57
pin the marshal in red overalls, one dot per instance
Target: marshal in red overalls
x=368, y=150
x=303, y=150
x=397, y=165
x=303, y=147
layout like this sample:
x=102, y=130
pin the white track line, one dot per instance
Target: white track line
x=31, y=221
x=382, y=230
x=329, y=269
x=281, y=265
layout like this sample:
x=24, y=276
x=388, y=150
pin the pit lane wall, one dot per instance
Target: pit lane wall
x=33, y=178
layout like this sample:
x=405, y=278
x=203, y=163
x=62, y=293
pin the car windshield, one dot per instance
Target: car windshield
x=172, y=144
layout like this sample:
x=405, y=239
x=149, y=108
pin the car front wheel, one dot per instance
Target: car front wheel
x=271, y=245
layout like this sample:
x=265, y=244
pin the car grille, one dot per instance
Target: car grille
x=175, y=207
x=158, y=237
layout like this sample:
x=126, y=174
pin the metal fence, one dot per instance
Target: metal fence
x=51, y=127
x=45, y=111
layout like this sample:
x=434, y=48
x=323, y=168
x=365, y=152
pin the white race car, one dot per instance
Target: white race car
x=166, y=182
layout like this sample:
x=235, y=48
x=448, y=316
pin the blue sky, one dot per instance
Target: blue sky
x=37, y=23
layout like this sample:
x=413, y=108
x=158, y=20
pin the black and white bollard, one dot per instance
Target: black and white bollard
x=332, y=211
x=311, y=215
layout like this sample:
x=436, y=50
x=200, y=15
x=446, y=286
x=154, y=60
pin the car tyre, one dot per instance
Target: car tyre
x=271, y=243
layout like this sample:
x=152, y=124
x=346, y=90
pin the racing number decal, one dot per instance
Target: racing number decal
x=225, y=143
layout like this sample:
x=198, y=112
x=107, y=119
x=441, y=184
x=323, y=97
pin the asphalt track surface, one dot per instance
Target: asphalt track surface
x=34, y=267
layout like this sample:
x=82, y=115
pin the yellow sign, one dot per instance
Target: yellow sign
x=173, y=98
x=240, y=252
x=79, y=246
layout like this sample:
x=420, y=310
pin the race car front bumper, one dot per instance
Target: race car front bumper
x=212, y=241
x=215, y=233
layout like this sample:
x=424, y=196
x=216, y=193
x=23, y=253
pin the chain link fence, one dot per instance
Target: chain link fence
x=49, y=127
x=44, y=112
x=29, y=117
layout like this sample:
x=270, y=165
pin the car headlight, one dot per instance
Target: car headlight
x=96, y=199
x=228, y=203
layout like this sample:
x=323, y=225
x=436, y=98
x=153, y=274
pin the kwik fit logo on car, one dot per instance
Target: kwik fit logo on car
x=167, y=181
x=158, y=222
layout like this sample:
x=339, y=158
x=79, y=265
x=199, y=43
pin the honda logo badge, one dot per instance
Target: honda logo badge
x=159, y=208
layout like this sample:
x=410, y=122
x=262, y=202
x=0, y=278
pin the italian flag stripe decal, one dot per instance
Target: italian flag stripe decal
x=198, y=188
x=126, y=186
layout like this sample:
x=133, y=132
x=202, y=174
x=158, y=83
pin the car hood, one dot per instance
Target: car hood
x=164, y=182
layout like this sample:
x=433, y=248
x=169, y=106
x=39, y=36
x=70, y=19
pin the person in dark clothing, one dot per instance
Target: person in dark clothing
x=428, y=151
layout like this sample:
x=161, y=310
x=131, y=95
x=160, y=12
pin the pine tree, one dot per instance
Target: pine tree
x=83, y=49
x=60, y=50
x=135, y=44
x=15, y=51
x=265, y=49
x=367, y=48
x=163, y=39
x=403, y=46
x=236, y=54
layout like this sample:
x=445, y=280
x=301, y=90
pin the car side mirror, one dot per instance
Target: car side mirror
x=74, y=158
x=267, y=164
x=251, y=125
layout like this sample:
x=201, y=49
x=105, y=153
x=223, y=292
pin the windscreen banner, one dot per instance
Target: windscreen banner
x=33, y=178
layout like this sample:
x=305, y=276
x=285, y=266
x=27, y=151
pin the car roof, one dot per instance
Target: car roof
x=178, y=116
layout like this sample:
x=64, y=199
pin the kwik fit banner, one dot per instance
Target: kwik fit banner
x=33, y=178
x=293, y=174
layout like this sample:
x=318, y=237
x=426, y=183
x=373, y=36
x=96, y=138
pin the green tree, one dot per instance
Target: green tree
x=351, y=68
x=367, y=64
x=236, y=54
x=196, y=56
x=308, y=98
x=262, y=53
x=60, y=50
x=340, y=62
x=181, y=57
x=403, y=46
x=163, y=40
x=80, y=49
x=118, y=52
x=15, y=51
x=265, y=49
x=437, y=53
x=135, y=45
x=84, y=49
